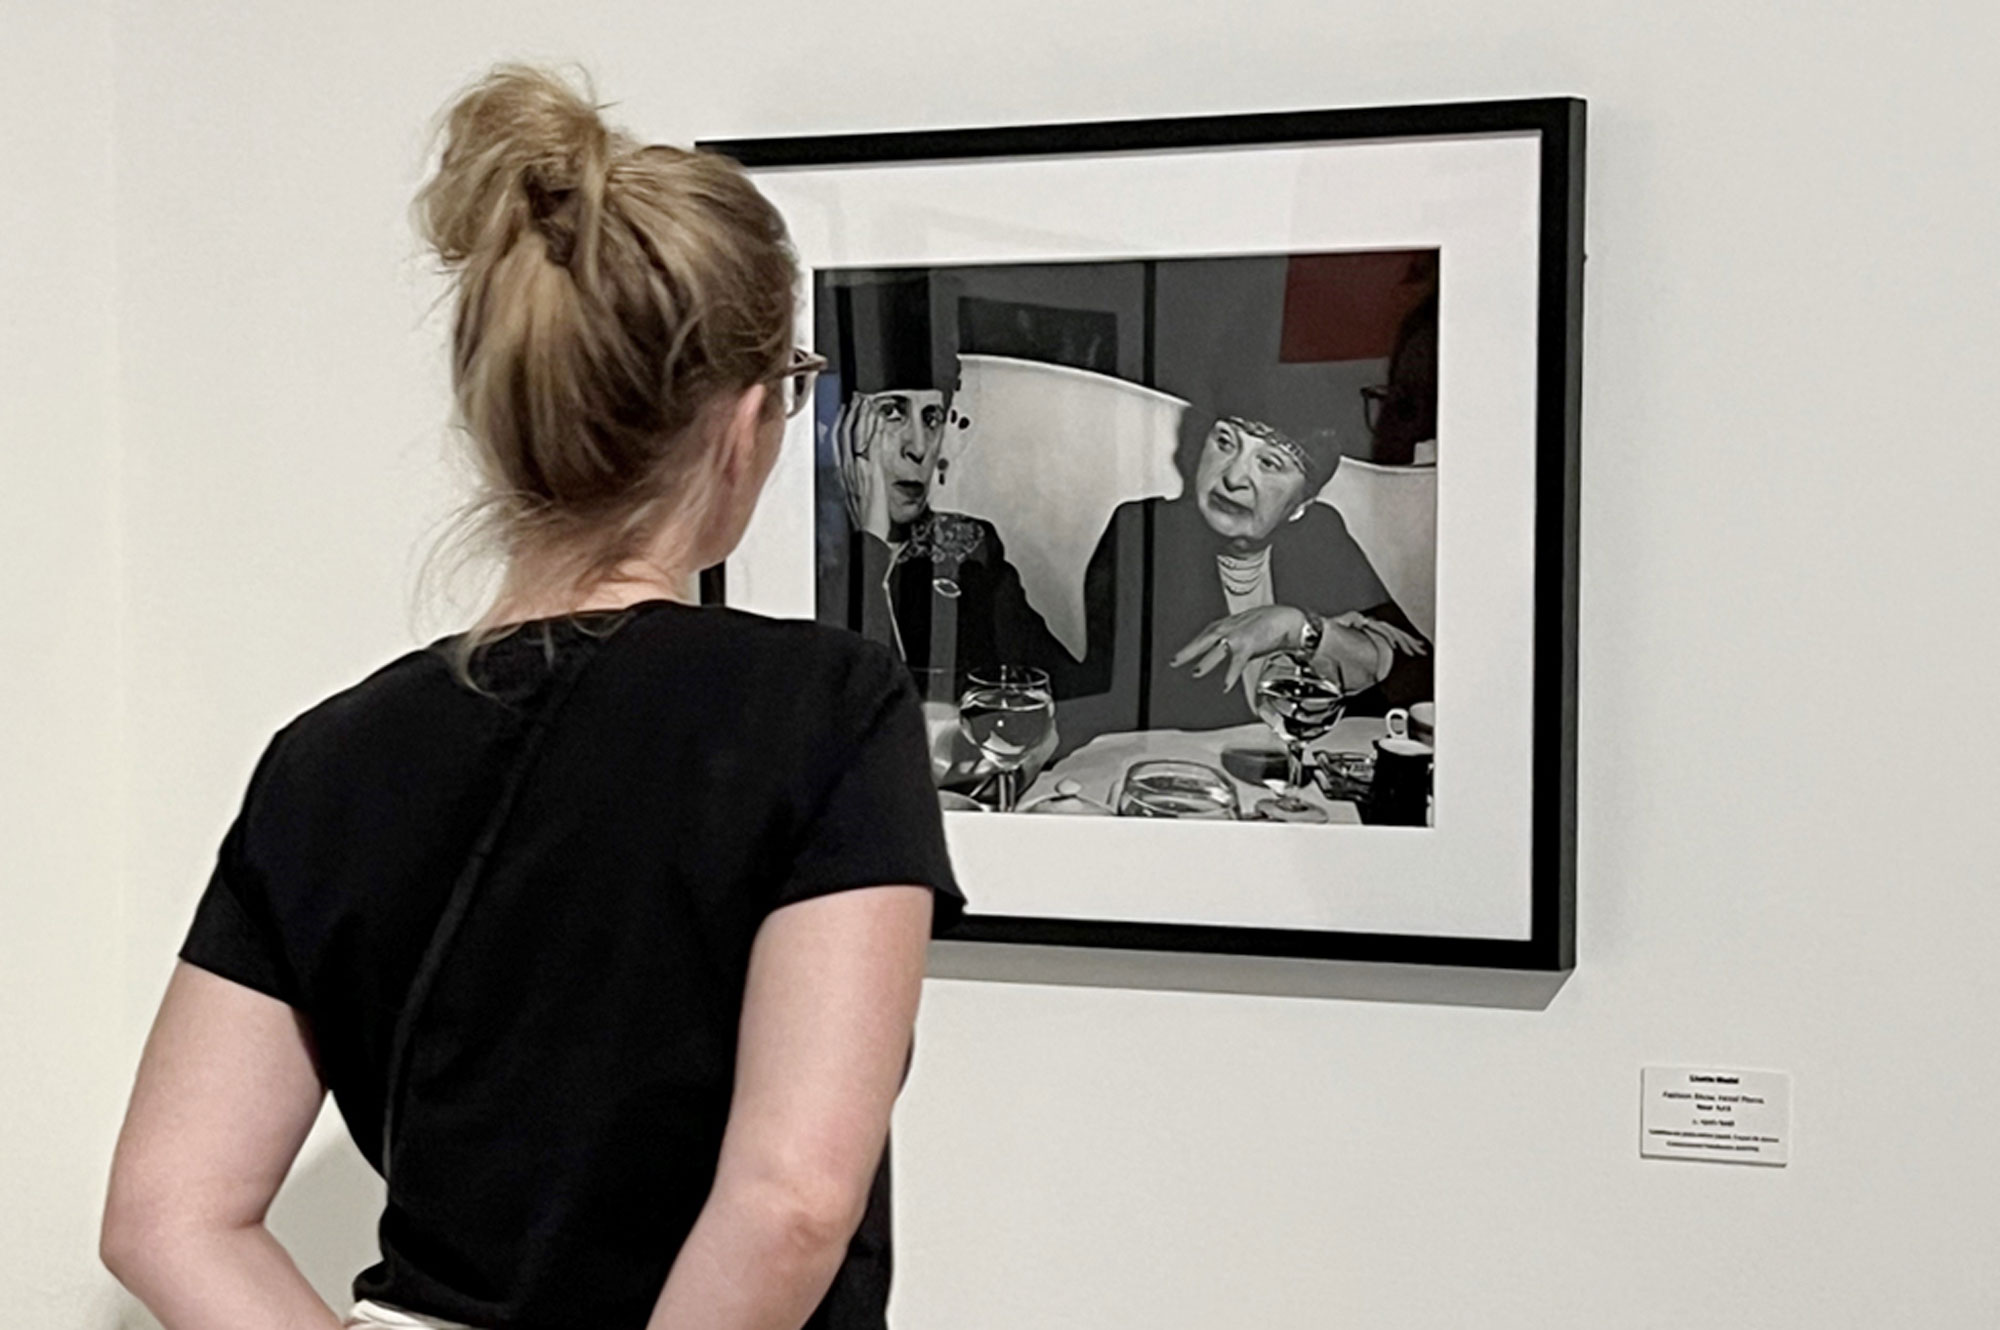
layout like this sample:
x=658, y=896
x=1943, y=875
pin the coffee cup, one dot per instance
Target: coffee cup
x=1418, y=721
x=1400, y=793
x=1423, y=723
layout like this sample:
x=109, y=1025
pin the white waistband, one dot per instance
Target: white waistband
x=374, y=1316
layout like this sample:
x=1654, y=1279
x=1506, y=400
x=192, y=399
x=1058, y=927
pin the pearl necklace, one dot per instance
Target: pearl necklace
x=1242, y=574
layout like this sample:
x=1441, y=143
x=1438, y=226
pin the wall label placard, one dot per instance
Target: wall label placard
x=1734, y=1117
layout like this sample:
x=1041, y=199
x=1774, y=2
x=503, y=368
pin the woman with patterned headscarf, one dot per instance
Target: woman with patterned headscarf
x=1243, y=563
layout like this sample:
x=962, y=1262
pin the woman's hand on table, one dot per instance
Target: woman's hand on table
x=1406, y=642
x=1349, y=656
x=1357, y=651
x=1234, y=641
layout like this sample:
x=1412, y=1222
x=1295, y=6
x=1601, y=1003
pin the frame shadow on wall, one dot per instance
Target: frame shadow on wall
x=1250, y=976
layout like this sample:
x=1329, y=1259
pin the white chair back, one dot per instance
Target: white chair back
x=1391, y=511
x=1049, y=455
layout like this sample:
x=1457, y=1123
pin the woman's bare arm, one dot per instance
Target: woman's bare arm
x=827, y=1015
x=227, y=1091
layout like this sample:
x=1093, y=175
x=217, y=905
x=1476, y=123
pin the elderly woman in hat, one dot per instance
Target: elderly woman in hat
x=935, y=586
x=1242, y=564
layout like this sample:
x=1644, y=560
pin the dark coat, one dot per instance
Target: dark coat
x=948, y=599
x=1152, y=586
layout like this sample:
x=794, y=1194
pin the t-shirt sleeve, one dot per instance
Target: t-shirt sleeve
x=879, y=823
x=235, y=933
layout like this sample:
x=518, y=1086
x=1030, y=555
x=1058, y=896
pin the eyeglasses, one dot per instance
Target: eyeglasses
x=1397, y=402
x=795, y=384
x=1372, y=398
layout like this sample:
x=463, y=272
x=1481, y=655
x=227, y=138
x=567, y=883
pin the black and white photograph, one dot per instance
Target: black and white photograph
x=1155, y=538
x=1214, y=482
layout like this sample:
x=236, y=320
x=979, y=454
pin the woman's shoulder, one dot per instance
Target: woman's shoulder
x=1153, y=503
x=1319, y=528
x=1130, y=512
x=684, y=673
x=958, y=537
x=387, y=695
x=800, y=691
x=775, y=638
x=744, y=649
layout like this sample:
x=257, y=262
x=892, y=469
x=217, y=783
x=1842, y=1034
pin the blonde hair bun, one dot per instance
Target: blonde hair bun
x=522, y=147
x=605, y=292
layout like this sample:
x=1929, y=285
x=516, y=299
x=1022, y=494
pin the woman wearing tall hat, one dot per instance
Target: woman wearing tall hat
x=936, y=586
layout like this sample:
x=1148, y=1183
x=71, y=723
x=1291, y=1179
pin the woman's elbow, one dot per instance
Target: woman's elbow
x=142, y=1226
x=124, y=1237
x=807, y=1216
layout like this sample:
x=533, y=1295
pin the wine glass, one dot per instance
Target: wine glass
x=1165, y=787
x=1006, y=712
x=939, y=689
x=1301, y=704
x=1257, y=764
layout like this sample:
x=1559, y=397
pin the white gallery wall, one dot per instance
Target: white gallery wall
x=223, y=413
x=62, y=932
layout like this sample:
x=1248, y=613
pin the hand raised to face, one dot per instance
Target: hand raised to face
x=888, y=444
x=857, y=447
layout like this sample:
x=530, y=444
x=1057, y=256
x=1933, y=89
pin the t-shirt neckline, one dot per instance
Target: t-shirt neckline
x=649, y=604
x=508, y=645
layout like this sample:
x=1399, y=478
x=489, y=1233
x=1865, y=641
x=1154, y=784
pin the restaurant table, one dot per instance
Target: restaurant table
x=1099, y=766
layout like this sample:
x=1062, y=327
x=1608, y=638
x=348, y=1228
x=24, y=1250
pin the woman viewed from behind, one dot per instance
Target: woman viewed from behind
x=604, y=921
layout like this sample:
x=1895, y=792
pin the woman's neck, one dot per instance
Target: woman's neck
x=516, y=604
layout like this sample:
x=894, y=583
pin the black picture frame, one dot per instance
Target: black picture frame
x=1558, y=124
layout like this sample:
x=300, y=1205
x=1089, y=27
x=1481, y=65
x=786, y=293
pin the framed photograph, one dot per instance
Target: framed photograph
x=1216, y=480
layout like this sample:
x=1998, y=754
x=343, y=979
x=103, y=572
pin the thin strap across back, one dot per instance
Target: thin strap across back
x=464, y=888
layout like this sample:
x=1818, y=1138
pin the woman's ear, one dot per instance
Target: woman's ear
x=742, y=433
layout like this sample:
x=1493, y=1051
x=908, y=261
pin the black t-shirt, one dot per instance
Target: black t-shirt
x=568, y=1081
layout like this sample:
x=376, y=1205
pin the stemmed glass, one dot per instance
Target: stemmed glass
x=1006, y=712
x=940, y=704
x=1300, y=704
